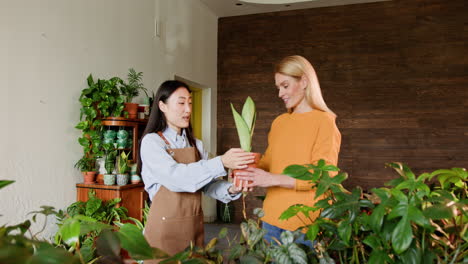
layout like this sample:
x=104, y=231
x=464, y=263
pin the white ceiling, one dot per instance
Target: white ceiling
x=225, y=8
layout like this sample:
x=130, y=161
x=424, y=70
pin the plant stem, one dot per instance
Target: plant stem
x=455, y=256
x=243, y=206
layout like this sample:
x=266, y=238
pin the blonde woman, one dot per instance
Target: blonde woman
x=303, y=135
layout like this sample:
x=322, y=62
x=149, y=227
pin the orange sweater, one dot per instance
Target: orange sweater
x=297, y=139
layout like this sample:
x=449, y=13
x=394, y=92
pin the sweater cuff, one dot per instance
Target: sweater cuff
x=302, y=185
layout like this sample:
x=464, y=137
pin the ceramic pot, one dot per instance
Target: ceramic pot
x=122, y=179
x=89, y=177
x=108, y=141
x=132, y=109
x=135, y=179
x=123, y=134
x=109, y=179
x=121, y=143
x=110, y=134
x=241, y=183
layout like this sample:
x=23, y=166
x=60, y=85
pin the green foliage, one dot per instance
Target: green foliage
x=246, y=123
x=413, y=221
x=122, y=165
x=111, y=156
x=132, y=88
x=83, y=222
x=99, y=100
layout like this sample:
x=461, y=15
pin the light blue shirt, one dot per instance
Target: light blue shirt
x=160, y=169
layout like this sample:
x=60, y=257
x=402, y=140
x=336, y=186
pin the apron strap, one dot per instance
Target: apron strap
x=164, y=138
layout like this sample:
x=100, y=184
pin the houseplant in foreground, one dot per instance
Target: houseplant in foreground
x=415, y=219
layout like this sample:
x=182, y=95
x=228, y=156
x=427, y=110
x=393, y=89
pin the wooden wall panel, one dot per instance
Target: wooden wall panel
x=396, y=73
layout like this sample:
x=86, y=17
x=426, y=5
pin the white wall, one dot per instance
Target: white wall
x=47, y=49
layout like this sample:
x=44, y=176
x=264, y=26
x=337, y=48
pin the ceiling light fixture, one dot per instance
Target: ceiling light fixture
x=275, y=2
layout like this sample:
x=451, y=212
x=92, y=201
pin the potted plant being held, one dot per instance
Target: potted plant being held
x=131, y=90
x=122, y=168
x=245, y=125
x=109, y=163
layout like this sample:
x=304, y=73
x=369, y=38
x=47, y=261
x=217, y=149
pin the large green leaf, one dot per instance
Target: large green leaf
x=312, y=231
x=242, y=131
x=236, y=251
x=298, y=172
x=4, y=183
x=402, y=236
x=377, y=217
x=417, y=216
x=373, y=241
x=248, y=112
x=48, y=254
x=297, y=255
x=293, y=210
x=70, y=231
x=412, y=255
x=438, y=211
x=401, y=210
x=135, y=243
x=344, y=231
x=379, y=257
x=287, y=237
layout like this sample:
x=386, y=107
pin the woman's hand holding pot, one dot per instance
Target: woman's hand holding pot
x=237, y=158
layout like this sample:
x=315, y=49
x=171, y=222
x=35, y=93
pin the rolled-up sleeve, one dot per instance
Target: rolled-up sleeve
x=218, y=189
x=160, y=168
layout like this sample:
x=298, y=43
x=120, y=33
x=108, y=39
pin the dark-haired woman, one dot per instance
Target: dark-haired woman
x=175, y=170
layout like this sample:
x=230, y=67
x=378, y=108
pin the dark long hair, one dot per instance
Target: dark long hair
x=157, y=120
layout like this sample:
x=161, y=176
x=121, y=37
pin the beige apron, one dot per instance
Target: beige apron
x=175, y=218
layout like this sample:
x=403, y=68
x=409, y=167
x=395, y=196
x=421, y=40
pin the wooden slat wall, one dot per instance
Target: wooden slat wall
x=396, y=74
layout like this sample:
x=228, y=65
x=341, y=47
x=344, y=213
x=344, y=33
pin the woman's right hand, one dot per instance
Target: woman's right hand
x=237, y=158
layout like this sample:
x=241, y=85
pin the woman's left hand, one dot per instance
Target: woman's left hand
x=257, y=177
x=234, y=189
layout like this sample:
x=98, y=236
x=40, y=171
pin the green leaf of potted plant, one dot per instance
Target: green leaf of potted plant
x=132, y=89
x=109, y=163
x=122, y=168
x=245, y=125
x=100, y=99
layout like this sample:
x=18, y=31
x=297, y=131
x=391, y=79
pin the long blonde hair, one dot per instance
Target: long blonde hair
x=297, y=67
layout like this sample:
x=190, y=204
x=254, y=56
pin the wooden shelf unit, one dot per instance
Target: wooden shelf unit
x=133, y=196
x=135, y=124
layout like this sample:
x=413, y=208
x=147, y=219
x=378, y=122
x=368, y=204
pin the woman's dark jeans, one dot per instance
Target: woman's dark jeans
x=273, y=231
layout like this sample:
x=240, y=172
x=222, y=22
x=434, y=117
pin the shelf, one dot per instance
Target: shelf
x=137, y=126
x=109, y=187
x=122, y=121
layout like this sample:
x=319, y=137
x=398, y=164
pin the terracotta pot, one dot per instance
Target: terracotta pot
x=132, y=109
x=242, y=183
x=100, y=178
x=89, y=176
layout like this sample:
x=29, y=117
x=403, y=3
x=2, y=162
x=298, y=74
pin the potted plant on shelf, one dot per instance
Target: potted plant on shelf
x=132, y=89
x=100, y=99
x=87, y=166
x=122, y=168
x=109, y=163
x=245, y=125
